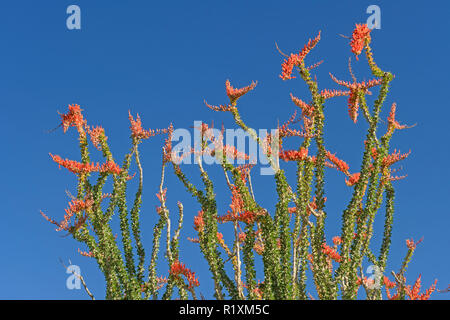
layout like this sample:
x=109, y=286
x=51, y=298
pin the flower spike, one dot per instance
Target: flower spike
x=234, y=93
x=297, y=59
x=73, y=118
x=360, y=38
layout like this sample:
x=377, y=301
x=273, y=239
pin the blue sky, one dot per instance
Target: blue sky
x=161, y=60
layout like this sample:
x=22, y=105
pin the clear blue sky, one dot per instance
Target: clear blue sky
x=161, y=59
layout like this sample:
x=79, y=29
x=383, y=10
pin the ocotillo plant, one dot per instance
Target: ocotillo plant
x=291, y=241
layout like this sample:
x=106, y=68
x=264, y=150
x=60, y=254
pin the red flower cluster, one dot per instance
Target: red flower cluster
x=96, y=135
x=75, y=206
x=82, y=168
x=331, y=252
x=411, y=244
x=355, y=88
x=360, y=37
x=374, y=151
x=246, y=216
x=74, y=166
x=388, y=283
x=288, y=66
x=136, y=128
x=414, y=292
x=110, y=167
x=294, y=155
x=337, y=240
x=178, y=268
x=199, y=223
x=249, y=216
x=73, y=118
x=392, y=123
x=307, y=109
x=138, y=132
x=353, y=105
x=162, y=195
x=340, y=164
x=238, y=212
x=235, y=94
x=354, y=178
x=395, y=157
x=237, y=203
x=297, y=59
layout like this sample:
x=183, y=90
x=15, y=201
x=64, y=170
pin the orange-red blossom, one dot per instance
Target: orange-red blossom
x=138, y=132
x=412, y=292
x=75, y=166
x=96, y=134
x=331, y=252
x=307, y=109
x=354, y=178
x=340, y=164
x=238, y=212
x=234, y=93
x=297, y=59
x=354, y=89
x=178, y=268
x=73, y=118
x=392, y=122
x=79, y=168
x=75, y=206
x=411, y=244
x=360, y=37
x=294, y=155
x=199, y=223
